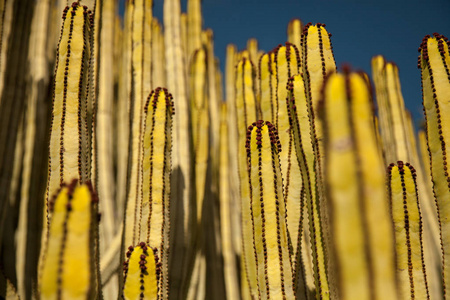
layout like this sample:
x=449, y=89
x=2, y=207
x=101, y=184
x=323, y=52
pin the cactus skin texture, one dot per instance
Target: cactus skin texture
x=154, y=213
x=69, y=269
x=303, y=132
x=408, y=230
x=200, y=123
x=245, y=112
x=287, y=59
x=361, y=230
x=268, y=209
x=141, y=273
x=434, y=61
x=70, y=146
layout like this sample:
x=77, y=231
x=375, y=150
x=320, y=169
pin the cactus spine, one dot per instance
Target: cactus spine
x=434, y=61
x=407, y=218
x=268, y=210
x=362, y=237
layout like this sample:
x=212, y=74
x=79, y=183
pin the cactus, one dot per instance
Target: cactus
x=268, y=211
x=407, y=218
x=434, y=65
x=141, y=87
x=393, y=119
x=70, y=157
x=200, y=123
x=70, y=266
x=246, y=111
x=141, y=273
x=310, y=222
x=362, y=235
x=303, y=132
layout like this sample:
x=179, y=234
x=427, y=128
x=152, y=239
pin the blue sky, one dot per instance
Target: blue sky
x=361, y=29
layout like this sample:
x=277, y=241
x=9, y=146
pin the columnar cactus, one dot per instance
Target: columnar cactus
x=393, y=119
x=434, y=63
x=245, y=112
x=287, y=61
x=361, y=234
x=303, y=131
x=407, y=219
x=140, y=11
x=142, y=270
x=70, y=261
x=70, y=147
x=268, y=211
x=200, y=123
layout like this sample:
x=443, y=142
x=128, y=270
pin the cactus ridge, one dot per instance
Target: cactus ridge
x=412, y=225
x=268, y=204
x=433, y=62
x=154, y=215
x=69, y=267
x=141, y=271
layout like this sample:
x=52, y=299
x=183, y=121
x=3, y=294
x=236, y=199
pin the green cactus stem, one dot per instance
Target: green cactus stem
x=407, y=219
x=268, y=210
x=362, y=238
x=141, y=270
x=70, y=266
x=434, y=62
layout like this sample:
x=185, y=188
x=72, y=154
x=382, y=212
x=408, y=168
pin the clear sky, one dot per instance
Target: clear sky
x=361, y=29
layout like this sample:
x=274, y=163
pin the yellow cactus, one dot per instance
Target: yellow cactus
x=407, y=218
x=70, y=267
x=246, y=113
x=153, y=221
x=268, y=211
x=141, y=273
x=434, y=61
x=362, y=238
x=287, y=59
x=303, y=132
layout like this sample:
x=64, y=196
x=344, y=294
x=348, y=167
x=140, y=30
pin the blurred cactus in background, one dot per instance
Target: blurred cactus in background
x=107, y=193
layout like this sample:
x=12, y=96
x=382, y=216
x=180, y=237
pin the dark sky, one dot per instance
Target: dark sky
x=361, y=29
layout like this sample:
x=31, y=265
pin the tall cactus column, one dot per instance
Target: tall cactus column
x=434, y=61
x=70, y=138
x=268, y=210
x=407, y=218
x=361, y=230
x=245, y=114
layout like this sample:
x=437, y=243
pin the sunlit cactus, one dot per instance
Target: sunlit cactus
x=211, y=206
x=141, y=273
x=268, y=211
x=245, y=114
x=361, y=232
x=434, y=62
x=303, y=132
x=407, y=219
x=70, y=262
